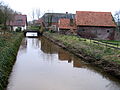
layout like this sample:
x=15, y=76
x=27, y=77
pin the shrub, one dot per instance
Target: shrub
x=8, y=54
x=18, y=29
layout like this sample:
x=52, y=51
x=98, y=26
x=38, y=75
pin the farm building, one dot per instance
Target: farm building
x=19, y=21
x=52, y=19
x=66, y=26
x=99, y=25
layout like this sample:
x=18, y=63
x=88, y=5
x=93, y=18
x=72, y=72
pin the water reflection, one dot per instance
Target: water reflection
x=63, y=55
x=28, y=34
x=41, y=65
x=50, y=48
x=23, y=46
x=66, y=56
x=77, y=63
x=35, y=43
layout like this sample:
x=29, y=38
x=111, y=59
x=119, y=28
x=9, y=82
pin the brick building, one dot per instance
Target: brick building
x=99, y=25
x=66, y=26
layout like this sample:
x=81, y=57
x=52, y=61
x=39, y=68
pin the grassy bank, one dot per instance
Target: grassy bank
x=99, y=55
x=34, y=28
x=88, y=48
x=9, y=45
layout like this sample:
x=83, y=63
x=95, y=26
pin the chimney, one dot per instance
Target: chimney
x=66, y=14
x=71, y=22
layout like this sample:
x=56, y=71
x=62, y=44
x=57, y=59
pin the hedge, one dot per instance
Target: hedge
x=9, y=45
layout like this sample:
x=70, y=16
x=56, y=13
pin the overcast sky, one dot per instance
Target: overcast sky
x=62, y=6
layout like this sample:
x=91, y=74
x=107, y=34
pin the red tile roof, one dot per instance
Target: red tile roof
x=65, y=24
x=40, y=20
x=89, y=18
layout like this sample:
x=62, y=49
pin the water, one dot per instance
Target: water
x=31, y=34
x=41, y=65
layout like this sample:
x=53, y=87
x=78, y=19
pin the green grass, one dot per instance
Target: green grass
x=87, y=47
x=112, y=41
x=9, y=44
x=34, y=28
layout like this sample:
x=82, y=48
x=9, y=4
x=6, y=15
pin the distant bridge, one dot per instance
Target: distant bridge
x=34, y=31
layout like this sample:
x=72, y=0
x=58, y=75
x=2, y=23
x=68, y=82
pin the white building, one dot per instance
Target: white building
x=20, y=21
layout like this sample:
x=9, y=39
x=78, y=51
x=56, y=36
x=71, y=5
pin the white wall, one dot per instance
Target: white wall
x=22, y=28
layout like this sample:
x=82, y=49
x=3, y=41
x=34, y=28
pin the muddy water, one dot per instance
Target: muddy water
x=41, y=65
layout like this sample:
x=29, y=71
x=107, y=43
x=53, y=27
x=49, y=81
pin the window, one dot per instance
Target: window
x=108, y=31
x=19, y=21
x=83, y=29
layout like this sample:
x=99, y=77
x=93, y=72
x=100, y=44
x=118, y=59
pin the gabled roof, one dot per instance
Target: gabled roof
x=19, y=20
x=40, y=20
x=89, y=18
x=56, y=16
x=65, y=24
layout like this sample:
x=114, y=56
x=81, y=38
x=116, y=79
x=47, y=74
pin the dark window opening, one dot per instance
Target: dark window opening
x=108, y=31
x=83, y=30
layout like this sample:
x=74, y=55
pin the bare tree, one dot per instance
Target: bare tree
x=33, y=14
x=38, y=13
x=1, y=12
x=6, y=15
x=117, y=16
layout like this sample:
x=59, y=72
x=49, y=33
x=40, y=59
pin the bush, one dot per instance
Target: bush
x=35, y=27
x=18, y=29
x=8, y=54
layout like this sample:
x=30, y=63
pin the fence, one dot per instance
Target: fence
x=106, y=43
x=100, y=42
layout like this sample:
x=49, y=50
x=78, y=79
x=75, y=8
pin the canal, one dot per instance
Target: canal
x=42, y=65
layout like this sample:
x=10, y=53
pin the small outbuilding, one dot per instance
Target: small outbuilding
x=66, y=26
